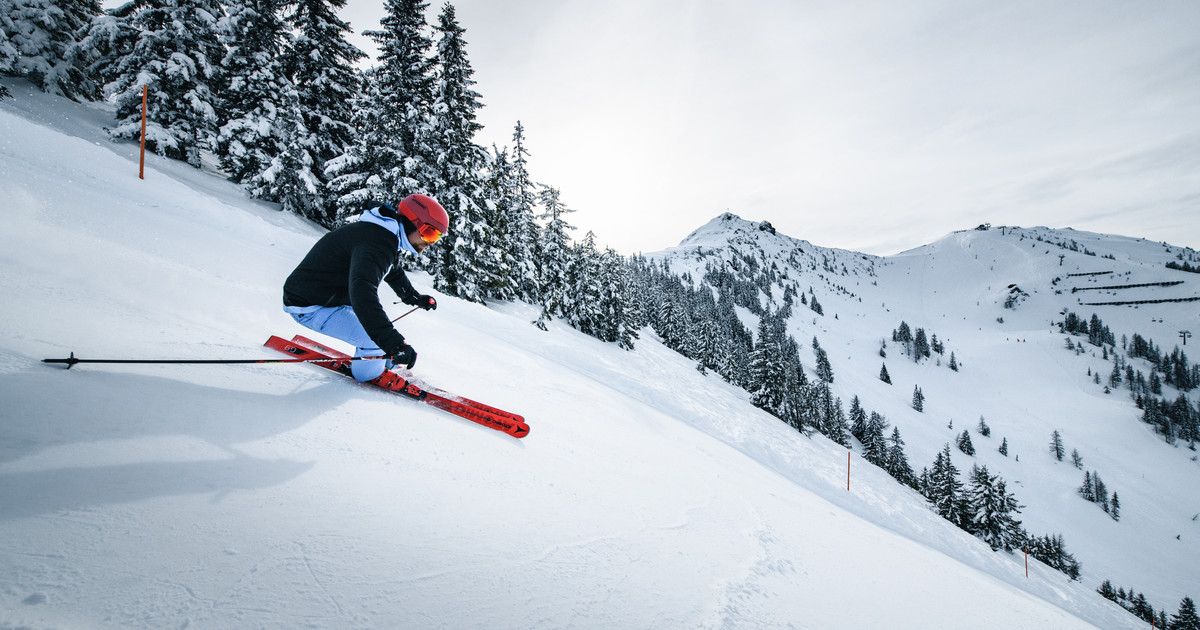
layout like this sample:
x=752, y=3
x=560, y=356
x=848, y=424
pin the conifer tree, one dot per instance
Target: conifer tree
x=582, y=309
x=838, y=426
x=554, y=256
x=177, y=56
x=1003, y=447
x=109, y=38
x=1186, y=618
x=920, y=346
x=320, y=63
x=1088, y=489
x=875, y=447
x=393, y=156
x=945, y=490
x=903, y=335
x=883, y=375
x=39, y=41
x=992, y=509
x=671, y=320
x=897, y=461
x=823, y=368
x=918, y=399
x=964, y=443
x=953, y=362
x=8, y=52
x=256, y=95
x=470, y=257
x=522, y=233
x=290, y=177
x=618, y=321
x=767, y=376
x=858, y=419
x=1056, y=445
x=1052, y=551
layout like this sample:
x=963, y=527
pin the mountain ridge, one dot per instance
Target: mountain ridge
x=996, y=296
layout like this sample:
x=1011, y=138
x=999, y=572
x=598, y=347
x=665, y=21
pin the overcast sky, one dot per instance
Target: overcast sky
x=876, y=126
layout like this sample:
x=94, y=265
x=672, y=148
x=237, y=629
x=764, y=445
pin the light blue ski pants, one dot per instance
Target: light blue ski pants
x=340, y=322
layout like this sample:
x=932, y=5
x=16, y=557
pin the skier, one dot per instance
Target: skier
x=335, y=289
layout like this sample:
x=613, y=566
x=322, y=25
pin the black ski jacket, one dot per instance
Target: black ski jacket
x=345, y=267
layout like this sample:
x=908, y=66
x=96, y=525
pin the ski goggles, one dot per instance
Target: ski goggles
x=428, y=233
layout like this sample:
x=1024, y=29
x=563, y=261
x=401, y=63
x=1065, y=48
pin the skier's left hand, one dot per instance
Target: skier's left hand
x=426, y=302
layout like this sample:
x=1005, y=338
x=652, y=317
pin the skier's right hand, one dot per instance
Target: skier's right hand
x=403, y=355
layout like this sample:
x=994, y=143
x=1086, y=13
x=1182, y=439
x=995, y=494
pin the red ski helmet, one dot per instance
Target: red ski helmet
x=427, y=215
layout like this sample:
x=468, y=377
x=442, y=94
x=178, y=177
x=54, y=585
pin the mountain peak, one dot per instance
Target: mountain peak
x=722, y=228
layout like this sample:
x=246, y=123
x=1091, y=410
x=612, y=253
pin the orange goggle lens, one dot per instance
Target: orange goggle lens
x=429, y=234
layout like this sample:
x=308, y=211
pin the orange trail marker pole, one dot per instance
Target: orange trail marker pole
x=847, y=471
x=142, y=160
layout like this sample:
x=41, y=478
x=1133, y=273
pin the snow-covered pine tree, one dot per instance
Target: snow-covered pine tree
x=903, y=335
x=554, y=254
x=768, y=371
x=8, y=52
x=858, y=419
x=1051, y=550
x=292, y=177
x=470, y=257
x=618, y=321
x=920, y=346
x=39, y=40
x=918, y=398
x=320, y=63
x=582, y=308
x=522, y=235
x=838, y=429
x=255, y=92
x=823, y=367
x=875, y=448
x=498, y=211
x=884, y=376
x=671, y=320
x=1088, y=489
x=897, y=462
x=177, y=55
x=1186, y=618
x=964, y=443
x=109, y=38
x=393, y=156
x=945, y=491
x=991, y=508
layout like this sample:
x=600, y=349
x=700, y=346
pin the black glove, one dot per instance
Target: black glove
x=425, y=301
x=403, y=355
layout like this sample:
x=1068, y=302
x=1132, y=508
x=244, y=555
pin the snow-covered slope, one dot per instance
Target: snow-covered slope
x=281, y=496
x=1016, y=371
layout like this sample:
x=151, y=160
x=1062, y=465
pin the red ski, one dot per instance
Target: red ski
x=491, y=417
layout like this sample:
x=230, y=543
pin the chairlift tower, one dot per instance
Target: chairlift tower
x=1185, y=334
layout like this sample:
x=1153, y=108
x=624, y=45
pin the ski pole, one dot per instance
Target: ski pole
x=72, y=360
x=409, y=312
